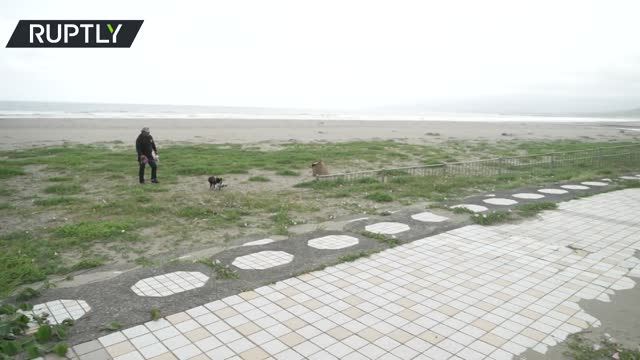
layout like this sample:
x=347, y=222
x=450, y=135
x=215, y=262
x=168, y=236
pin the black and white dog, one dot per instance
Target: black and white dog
x=216, y=183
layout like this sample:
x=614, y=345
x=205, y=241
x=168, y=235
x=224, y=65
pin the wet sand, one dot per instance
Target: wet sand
x=18, y=133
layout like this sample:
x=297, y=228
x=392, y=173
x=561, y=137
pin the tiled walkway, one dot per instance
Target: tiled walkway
x=470, y=293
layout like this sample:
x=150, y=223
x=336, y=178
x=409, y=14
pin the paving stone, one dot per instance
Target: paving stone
x=387, y=228
x=87, y=347
x=471, y=292
x=528, y=196
x=553, y=191
x=60, y=310
x=96, y=355
x=333, y=242
x=500, y=201
x=258, y=242
x=574, y=187
x=169, y=284
x=262, y=260
x=429, y=217
x=471, y=207
x=594, y=183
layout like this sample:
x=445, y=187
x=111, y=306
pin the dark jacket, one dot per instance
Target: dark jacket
x=145, y=145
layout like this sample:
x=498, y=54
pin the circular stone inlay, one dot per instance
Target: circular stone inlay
x=471, y=207
x=169, y=284
x=258, y=242
x=594, y=183
x=629, y=178
x=574, y=187
x=500, y=201
x=60, y=310
x=429, y=217
x=528, y=196
x=553, y=191
x=388, y=228
x=333, y=242
x=262, y=260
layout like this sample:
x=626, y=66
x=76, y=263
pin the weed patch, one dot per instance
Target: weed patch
x=111, y=326
x=193, y=212
x=222, y=271
x=391, y=242
x=89, y=263
x=60, y=179
x=380, y=196
x=97, y=230
x=492, y=218
x=27, y=294
x=63, y=189
x=354, y=256
x=17, y=342
x=583, y=349
x=8, y=171
x=532, y=209
x=7, y=206
x=259, y=178
x=155, y=314
x=54, y=201
x=25, y=259
x=287, y=173
x=144, y=261
x=462, y=210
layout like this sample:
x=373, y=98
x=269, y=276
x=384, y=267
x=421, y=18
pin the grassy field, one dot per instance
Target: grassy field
x=72, y=207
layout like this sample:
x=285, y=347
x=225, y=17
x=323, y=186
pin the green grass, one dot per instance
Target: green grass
x=491, y=218
x=532, y=209
x=259, y=178
x=440, y=188
x=282, y=221
x=63, y=189
x=144, y=261
x=380, y=196
x=519, y=211
x=222, y=271
x=97, y=230
x=27, y=294
x=583, y=349
x=25, y=259
x=18, y=342
x=60, y=179
x=8, y=171
x=462, y=210
x=90, y=219
x=7, y=206
x=287, y=173
x=194, y=212
x=89, y=263
x=54, y=201
x=391, y=242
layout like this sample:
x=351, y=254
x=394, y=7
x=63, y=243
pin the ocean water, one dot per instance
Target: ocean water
x=58, y=110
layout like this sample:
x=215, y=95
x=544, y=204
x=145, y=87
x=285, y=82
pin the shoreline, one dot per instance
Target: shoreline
x=26, y=132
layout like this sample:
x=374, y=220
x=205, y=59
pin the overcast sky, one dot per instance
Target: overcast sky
x=556, y=54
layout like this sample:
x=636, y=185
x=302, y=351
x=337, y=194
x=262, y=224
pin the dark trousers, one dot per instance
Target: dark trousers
x=154, y=169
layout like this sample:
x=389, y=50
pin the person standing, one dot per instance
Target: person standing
x=146, y=148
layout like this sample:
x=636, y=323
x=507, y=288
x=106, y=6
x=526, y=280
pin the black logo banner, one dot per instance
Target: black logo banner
x=74, y=33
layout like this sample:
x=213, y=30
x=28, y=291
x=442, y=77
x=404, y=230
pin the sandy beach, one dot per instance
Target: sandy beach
x=18, y=133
